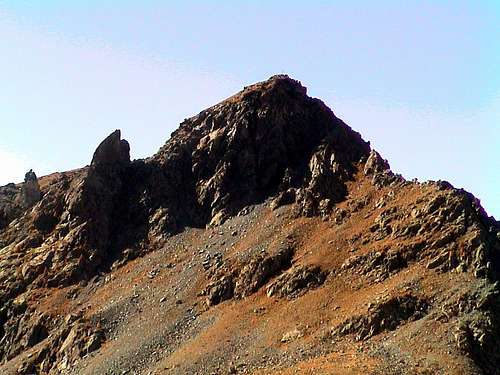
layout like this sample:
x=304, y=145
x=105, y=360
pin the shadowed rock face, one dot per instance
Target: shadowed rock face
x=269, y=143
x=265, y=140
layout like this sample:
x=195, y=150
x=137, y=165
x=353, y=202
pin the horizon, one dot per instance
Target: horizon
x=422, y=85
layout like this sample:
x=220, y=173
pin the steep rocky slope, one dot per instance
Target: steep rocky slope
x=264, y=237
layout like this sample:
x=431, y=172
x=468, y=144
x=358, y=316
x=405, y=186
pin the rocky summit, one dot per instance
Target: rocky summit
x=264, y=237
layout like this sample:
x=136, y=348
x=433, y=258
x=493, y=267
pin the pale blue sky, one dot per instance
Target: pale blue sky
x=420, y=80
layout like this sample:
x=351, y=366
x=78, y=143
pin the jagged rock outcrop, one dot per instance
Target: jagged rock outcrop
x=112, y=150
x=15, y=199
x=65, y=238
x=379, y=170
x=68, y=343
x=242, y=280
x=295, y=281
x=30, y=190
x=383, y=316
x=375, y=164
x=477, y=332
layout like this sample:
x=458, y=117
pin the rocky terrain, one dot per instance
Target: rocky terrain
x=264, y=237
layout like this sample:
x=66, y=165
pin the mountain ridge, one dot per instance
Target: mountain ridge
x=274, y=151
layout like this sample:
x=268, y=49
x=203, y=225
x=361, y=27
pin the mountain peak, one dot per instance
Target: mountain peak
x=266, y=197
x=278, y=82
x=268, y=138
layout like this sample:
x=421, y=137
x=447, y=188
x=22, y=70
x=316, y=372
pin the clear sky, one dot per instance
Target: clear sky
x=420, y=80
